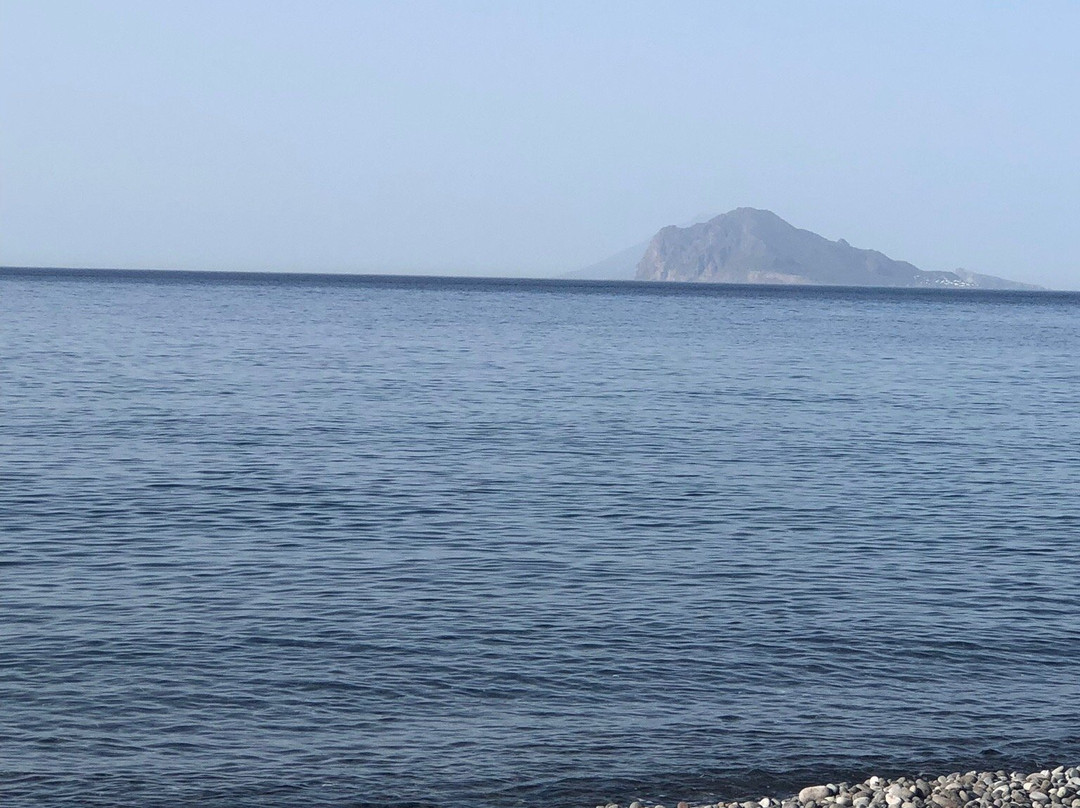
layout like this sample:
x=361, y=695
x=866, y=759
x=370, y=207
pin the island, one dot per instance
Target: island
x=754, y=246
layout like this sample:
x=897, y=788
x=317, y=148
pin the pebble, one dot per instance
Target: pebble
x=1048, y=788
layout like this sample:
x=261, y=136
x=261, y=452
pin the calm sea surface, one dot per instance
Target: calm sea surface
x=316, y=541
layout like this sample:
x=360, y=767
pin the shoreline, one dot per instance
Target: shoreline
x=1047, y=788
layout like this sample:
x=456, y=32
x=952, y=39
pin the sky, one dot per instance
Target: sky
x=533, y=138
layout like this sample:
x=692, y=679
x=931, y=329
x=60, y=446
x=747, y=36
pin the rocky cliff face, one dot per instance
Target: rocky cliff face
x=757, y=246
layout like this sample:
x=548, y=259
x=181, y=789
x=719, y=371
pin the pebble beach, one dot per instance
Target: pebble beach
x=1048, y=788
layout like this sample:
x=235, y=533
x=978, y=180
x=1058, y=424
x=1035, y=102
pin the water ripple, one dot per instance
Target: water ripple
x=270, y=542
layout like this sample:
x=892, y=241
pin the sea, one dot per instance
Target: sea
x=312, y=540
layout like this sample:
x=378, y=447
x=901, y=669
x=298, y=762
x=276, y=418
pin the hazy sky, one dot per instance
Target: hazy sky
x=533, y=138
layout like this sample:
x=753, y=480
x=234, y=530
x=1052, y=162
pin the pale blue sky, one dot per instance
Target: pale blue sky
x=514, y=138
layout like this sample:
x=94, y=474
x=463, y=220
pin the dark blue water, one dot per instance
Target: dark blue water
x=288, y=541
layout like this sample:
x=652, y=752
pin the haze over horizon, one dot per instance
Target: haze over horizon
x=488, y=138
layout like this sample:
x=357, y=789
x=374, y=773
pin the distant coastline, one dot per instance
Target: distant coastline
x=210, y=275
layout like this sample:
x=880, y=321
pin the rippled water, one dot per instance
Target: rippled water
x=288, y=541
